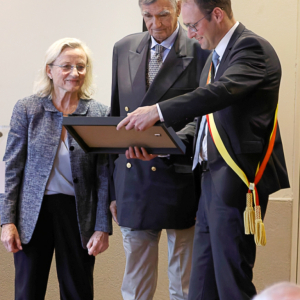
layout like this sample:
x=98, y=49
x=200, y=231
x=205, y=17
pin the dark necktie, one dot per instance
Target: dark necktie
x=155, y=64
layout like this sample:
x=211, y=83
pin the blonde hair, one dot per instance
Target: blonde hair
x=43, y=86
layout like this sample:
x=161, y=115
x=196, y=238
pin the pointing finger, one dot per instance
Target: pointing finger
x=123, y=122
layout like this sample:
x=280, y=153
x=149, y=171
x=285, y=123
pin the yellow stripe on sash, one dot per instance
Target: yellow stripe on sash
x=252, y=218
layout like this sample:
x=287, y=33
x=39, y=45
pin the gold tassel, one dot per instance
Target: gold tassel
x=260, y=233
x=249, y=215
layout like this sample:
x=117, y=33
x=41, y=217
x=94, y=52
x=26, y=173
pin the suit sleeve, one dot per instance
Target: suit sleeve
x=114, y=112
x=187, y=134
x=15, y=158
x=246, y=71
x=103, y=215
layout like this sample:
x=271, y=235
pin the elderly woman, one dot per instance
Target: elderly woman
x=56, y=196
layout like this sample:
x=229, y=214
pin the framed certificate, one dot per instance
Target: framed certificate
x=99, y=134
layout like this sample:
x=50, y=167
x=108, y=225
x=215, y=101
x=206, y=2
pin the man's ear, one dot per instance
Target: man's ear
x=218, y=14
x=178, y=7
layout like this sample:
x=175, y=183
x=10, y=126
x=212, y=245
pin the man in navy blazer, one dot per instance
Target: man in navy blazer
x=155, y=195
x=243, y=96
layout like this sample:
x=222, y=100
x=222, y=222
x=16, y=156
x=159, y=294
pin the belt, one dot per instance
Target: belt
x=204, y=166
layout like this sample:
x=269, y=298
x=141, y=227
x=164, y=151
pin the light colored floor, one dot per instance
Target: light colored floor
x=272, y=264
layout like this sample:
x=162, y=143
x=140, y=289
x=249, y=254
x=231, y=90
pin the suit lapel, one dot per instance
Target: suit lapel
x=175, y=63
x=137, y=61
x=224, y=62
x=222, y=68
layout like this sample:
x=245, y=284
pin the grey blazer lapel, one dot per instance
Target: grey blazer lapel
x=176, y=62
x=137, y=61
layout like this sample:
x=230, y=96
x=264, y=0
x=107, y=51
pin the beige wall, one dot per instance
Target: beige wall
x=29, y=27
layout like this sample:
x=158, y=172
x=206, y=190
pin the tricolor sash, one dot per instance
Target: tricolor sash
x=252, y=219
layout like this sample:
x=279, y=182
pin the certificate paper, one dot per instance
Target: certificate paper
x=99, y=135
x=2, y=177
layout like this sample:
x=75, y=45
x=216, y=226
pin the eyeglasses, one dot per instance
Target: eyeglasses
x=192, y=27
x=68, y=68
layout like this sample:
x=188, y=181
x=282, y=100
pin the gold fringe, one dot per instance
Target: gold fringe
x=260, y=233
x=249, y=215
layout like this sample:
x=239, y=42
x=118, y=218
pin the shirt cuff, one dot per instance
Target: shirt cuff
x=159, y=112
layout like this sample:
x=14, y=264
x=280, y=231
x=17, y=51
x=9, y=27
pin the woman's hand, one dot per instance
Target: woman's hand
x=98, y=243
x=10, y=238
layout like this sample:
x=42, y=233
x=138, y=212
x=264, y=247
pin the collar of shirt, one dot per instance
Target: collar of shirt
x=220, y=49
x=167, y=43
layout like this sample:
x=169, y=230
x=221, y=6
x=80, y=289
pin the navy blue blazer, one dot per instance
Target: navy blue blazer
x=160, y=193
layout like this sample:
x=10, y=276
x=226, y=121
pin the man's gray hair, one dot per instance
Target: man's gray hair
x=148, y=2
x=280, y=291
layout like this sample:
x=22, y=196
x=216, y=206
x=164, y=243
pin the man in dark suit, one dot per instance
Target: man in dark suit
x=242, y=94
x=156, y=195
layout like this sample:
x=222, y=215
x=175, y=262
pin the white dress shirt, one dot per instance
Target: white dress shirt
x=168, y=44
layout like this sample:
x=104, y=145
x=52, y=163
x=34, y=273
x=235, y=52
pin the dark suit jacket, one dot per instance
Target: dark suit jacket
x=164, y=198
x=243, y=98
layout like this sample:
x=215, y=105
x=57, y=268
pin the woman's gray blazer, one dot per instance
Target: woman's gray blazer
x=31, y=148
